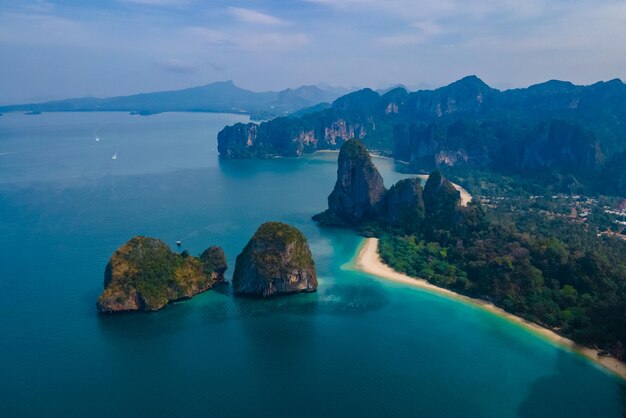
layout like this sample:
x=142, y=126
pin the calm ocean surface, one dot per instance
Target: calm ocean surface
x=359, y=347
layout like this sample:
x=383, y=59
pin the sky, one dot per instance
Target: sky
x=76, y=48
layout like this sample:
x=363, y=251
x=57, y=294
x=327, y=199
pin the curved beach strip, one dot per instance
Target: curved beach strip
x=369, y=261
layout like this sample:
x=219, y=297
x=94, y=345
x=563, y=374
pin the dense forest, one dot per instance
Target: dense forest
x=555, y=259
x=526, y=256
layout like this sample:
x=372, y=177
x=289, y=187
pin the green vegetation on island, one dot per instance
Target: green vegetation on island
x=145, y=275
x=544, y=258
x=276, y=260
x=549, y=269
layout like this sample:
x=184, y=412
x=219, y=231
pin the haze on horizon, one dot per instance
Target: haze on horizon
x=60, y=49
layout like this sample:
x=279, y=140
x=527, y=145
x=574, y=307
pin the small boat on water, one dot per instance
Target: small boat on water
x=179, y=243
x=114, y=157
x=97, y=139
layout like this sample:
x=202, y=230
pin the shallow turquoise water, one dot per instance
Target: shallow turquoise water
x=358, y=347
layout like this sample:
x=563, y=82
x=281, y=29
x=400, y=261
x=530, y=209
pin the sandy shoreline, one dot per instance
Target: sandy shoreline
x=369, y=261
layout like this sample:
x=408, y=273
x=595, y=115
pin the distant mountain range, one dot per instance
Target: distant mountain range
x=552, y=126
x=215, y=97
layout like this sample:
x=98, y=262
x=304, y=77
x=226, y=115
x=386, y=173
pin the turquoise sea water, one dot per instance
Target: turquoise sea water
x=359, y=347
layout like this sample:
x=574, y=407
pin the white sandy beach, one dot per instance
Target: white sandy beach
x=369, y=261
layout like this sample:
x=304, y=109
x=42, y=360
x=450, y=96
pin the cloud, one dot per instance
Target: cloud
x=159, y=2
x=407, y=9
x=421, y=33
x=207, y=35
x=600, y=24
x=39, y=6
x=343, y=3
x=177, y=66
x=443, y=9
x=427, y=28
x=245, y=40
x=252, y=41
x=252, y=16
x=215, y=66
x=273, y=41
x=174, y=65
x=149, y=43
x=399, y=40
x=41, y=29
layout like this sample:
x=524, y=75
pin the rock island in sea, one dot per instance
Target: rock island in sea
x=145, y=275
x=277, y=260
x=359, y=196
x=359, y=190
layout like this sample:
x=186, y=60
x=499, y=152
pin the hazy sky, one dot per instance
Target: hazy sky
x=58, y=49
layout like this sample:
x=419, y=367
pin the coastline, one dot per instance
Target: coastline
x=368, y=261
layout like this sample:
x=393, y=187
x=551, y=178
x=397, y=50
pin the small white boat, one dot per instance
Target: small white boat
x=114, y=157
x=97, y=139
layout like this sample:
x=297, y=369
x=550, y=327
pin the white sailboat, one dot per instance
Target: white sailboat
x=114, y=157
x=97, y=139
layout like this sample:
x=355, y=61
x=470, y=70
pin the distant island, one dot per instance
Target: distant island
x=223, y=97
x=145, y=275
x=548, y=269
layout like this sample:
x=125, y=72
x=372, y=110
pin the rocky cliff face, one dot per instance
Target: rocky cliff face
x=613, y=178
x=358, y=191
x=441, y=201
x=556, y=144
x=237, y=141
x=460, y=143
x=289, y=137
x=404, y=205
x=394, y=100
x=359, y=197
x=340, y=131
x=559, y=144
x=145, y=275
x=276, y=260
x=550, y=126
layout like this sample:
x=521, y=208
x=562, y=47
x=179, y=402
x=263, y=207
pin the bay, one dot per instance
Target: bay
x=360, y=346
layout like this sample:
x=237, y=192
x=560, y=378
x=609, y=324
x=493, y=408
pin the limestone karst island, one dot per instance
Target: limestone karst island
x=318, y=208
x=145, y=275
x=277, y=260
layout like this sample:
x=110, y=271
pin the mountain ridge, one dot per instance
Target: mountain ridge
x=220, y=96
x=555, y=125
